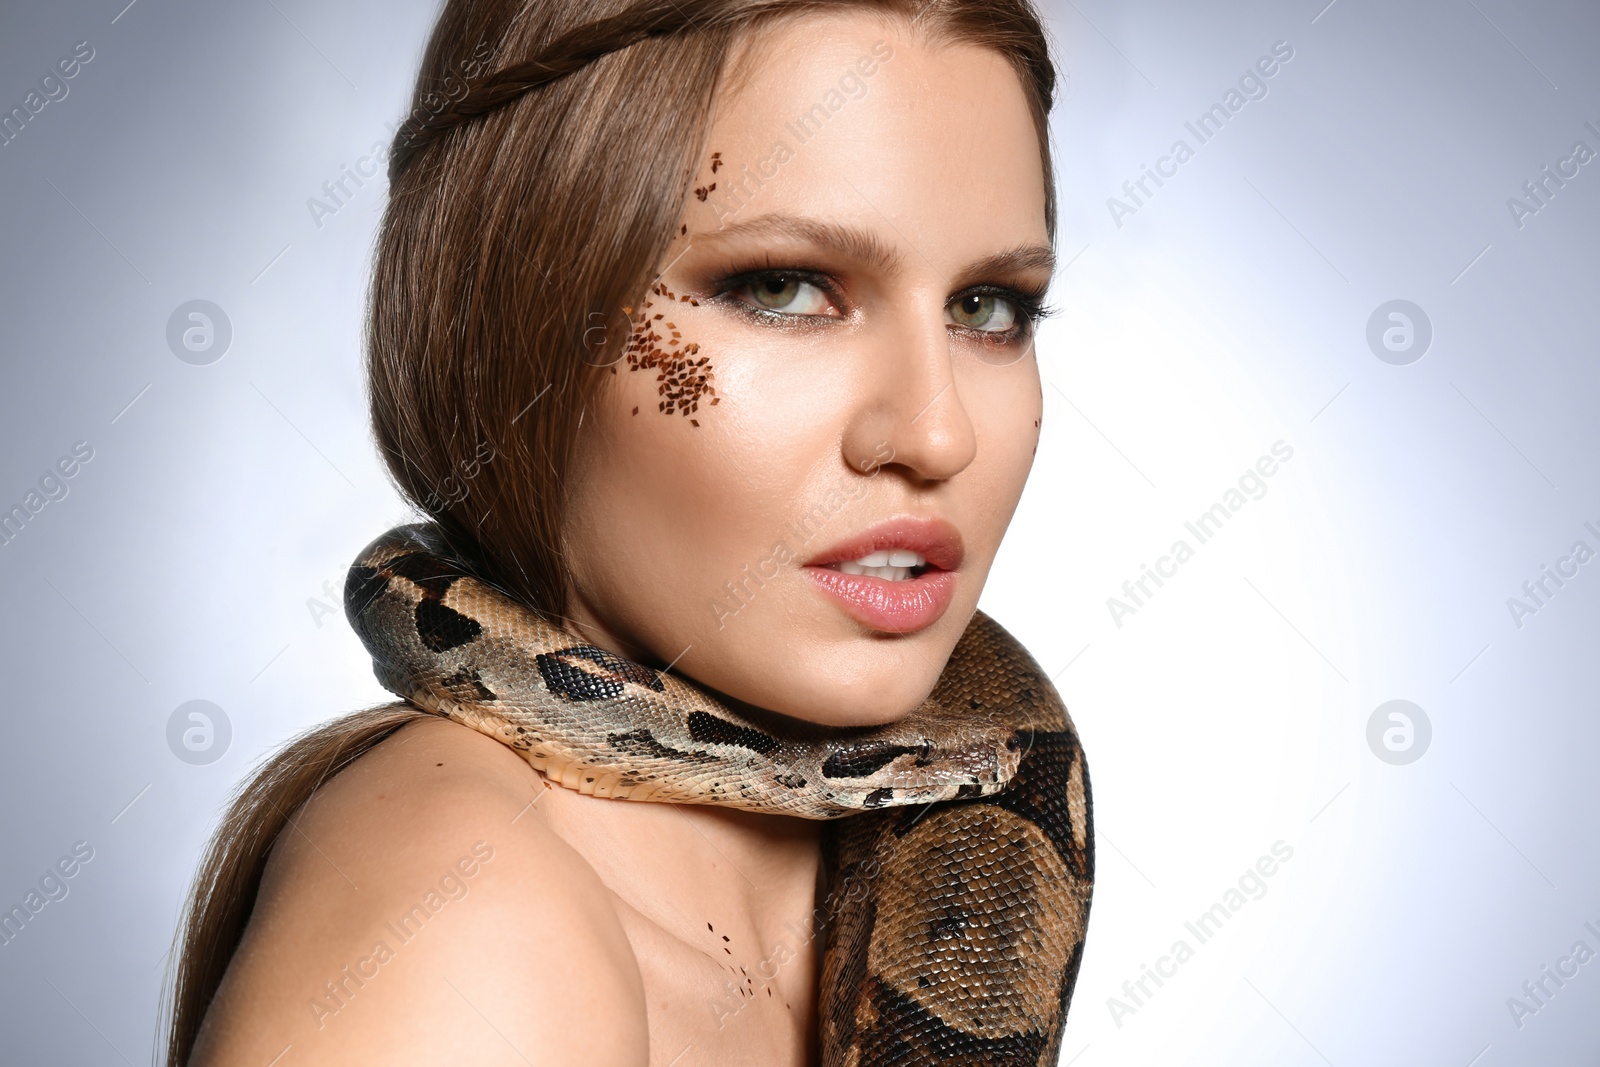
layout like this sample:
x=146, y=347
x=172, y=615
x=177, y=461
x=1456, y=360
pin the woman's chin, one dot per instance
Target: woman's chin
x=822, y=696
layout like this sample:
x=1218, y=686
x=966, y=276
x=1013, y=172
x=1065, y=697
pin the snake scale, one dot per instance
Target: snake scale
x=960, y=858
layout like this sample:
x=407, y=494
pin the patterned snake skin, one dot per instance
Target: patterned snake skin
x=959, y=885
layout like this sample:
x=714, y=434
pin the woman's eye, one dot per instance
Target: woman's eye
x=983, y=312
x=789, y=294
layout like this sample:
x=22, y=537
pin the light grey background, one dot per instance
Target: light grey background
x=1229, y=712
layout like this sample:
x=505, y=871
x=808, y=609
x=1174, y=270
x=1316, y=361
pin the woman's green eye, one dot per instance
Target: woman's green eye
x=787, y=293
x=983, y=312
x=776, y=292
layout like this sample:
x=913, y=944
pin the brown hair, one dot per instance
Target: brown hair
x=528, y=207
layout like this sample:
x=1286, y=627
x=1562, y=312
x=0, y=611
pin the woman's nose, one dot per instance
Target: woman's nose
x=910, y=412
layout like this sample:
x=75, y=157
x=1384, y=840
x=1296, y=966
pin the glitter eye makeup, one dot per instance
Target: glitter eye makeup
x=995, y=315
x=781, y=296
x=998, y=315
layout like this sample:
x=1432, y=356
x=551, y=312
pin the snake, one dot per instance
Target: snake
x=959, y=848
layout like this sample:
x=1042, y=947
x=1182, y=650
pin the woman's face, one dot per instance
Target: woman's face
x=800, y=471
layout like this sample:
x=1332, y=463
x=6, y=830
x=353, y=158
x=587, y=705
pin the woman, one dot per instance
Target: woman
x=704, y=330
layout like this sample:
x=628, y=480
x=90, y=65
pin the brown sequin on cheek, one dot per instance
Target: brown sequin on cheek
x=683, y=376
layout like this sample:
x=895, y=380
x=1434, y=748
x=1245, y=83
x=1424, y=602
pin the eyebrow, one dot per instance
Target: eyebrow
x=855, y=242
x=867, y=247
x=1011, y=261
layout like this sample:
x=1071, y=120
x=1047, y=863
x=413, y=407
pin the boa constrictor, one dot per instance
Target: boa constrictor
x=961, y=862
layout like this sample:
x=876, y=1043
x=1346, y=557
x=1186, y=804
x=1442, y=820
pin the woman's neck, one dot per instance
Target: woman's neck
x=754, y=871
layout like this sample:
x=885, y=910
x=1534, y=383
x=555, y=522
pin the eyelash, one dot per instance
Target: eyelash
x=1029, y=305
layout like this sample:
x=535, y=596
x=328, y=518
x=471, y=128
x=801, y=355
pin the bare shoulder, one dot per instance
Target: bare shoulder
x=419, y=909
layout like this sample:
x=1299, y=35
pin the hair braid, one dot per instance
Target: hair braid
x=571, y=52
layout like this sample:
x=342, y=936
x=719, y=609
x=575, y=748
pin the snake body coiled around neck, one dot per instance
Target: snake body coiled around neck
x=960, y=852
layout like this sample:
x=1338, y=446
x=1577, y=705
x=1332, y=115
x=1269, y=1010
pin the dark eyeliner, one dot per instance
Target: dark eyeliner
x=721, y=289
x=1029, y=304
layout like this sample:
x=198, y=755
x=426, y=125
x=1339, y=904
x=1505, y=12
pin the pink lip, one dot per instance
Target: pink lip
x=934, y=540
x=894, y=607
